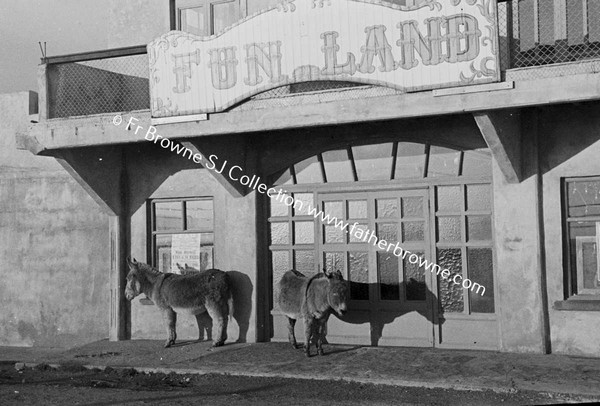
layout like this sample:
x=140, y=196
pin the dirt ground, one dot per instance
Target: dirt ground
x=75, y=385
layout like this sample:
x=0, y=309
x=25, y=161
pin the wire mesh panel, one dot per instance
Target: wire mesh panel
x=543, y=32
x=98, y=86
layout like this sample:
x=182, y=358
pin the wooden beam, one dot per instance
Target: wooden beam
x=100, y=130
x=501, y=130
x=221, y=154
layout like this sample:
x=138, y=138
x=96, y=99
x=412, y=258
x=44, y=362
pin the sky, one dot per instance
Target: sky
x=67, y=26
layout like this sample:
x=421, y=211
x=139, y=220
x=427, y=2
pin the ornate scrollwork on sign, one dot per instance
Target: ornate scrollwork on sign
x=477, y=73
x=286, y=5
x=160, y=109
x=320, y=3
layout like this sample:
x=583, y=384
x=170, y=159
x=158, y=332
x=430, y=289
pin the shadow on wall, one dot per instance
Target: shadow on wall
x=417, y=298
x=242, y=303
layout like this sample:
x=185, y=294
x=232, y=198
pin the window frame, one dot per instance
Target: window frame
x=175, y=7
x=152, y=233
x=571, y=277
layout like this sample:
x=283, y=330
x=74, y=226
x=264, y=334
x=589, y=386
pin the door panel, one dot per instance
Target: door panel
x=391, y=298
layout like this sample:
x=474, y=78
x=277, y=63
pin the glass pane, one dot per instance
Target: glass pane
x=479, y=197
x=449, y=198
x=358, y=264
x=357, y=209
x=410, y=160
x=449, y=228
x=280, y=233
x=169, y=216
x=306, y=202
x=224, y=15
x=389, y=282
x=481, y=271
x=582, y=240
x=388, y=232
x=477, y=162
x=334, y=261
x=337, y=166
x=584, y=198
x=333, y=235
x=199, y=215
x=373, y=162
x=334, y=209
x=479, y=228
x=387, y=208
x=414, y=279
x=412, y=207
x=163, y=253
x=589, y=263
x=309, y=171
x=192, y=20
x=443, y=162
x=413, y=231
x=278, y=207
x=304, y=262
x=285, y=178
x=451, y=294
x=304, y=232
x=358, y=234
x=280, y=264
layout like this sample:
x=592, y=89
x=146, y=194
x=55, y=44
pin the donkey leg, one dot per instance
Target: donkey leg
x=219, y=312
x=321, y=330
x=170, y=320
x=204, y=323
x=291, y=333
x=309, y=326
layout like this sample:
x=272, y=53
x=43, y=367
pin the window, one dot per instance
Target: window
x=582, y=217
x=388, y=161
x=182, y=234
x=206, y=17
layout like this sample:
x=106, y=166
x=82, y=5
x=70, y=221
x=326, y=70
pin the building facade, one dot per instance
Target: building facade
x=464, y=131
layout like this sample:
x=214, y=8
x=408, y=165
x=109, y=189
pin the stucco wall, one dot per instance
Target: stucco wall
x=53, y=245
x=570, y=146
x=234, y=252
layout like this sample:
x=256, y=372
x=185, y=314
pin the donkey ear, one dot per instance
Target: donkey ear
x=133, y=264
x=327, y=273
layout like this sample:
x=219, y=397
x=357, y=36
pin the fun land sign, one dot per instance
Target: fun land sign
x=426, y=45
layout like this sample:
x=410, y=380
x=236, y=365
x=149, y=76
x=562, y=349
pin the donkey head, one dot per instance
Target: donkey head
x=338, y=293
x=134, y=284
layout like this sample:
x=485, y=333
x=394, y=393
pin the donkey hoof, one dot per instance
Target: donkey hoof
x=169, y=343
x=218, y=343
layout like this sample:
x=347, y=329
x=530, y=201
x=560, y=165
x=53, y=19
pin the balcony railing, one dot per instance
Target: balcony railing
x=543, y=32
x=531, y=33
x=108, y=81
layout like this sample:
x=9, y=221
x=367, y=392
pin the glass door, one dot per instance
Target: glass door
x=391, y=293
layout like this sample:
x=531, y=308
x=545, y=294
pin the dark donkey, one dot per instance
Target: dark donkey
x=313, y=299
x=206, y=291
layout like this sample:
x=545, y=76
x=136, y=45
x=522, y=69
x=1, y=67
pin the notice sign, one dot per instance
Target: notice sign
x=185, y=249
x=427, y=44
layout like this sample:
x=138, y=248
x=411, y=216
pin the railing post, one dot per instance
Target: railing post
x=43, y=103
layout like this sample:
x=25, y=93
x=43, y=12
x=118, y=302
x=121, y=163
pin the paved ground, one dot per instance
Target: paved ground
x=401, y=367
x=72, y=385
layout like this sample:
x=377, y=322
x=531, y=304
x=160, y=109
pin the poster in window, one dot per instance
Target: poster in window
x=185, y=252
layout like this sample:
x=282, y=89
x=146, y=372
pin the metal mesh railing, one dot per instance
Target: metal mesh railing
x=543, y=32
x=108, y=83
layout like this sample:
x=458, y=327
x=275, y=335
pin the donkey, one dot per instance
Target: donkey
x=207, y=291
x=313, y=299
